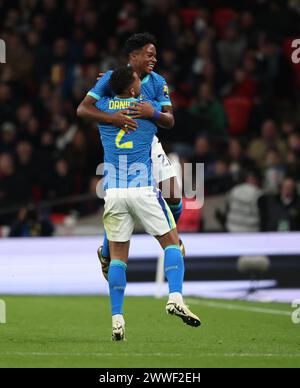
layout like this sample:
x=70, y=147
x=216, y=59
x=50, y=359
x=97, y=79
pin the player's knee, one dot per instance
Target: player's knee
x=171, y=238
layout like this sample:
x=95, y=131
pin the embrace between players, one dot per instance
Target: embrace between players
x=131, y=188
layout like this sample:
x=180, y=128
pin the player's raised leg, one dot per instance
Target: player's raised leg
x=154, y=214
x=174, y=273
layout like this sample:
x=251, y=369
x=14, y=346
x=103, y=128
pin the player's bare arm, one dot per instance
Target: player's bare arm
x=166, y=118
x=144, y=110
x=88, y=110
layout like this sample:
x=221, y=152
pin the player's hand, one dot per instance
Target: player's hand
x=141, y=110
x=100, y=75
x=122, y=120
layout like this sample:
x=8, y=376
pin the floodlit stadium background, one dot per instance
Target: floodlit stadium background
x=235, y=93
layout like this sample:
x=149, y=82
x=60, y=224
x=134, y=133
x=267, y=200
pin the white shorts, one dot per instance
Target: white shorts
x=123, y=207
x=162, y=167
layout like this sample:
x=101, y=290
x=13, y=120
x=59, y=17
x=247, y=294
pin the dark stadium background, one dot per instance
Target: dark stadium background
x=235, y=94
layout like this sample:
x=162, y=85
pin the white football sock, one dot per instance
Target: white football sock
x=118, y=318
x=176, y=297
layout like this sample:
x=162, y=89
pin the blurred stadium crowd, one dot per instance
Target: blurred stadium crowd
x=234, y=88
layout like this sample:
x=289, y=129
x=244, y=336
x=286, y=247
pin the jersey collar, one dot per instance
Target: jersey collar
x=146, y=79
x=126, y=99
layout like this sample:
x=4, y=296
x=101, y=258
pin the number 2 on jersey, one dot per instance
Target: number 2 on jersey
x=128, y=144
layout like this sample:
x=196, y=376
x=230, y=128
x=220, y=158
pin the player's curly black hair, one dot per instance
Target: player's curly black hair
x=137, y=42
x=121, y=79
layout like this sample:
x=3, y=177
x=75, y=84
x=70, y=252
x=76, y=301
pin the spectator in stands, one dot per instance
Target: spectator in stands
x=281, y=212
x=274, y=171
x=243, y=85
x=7, y=103
x=287, y=127
x=111, y=59
x=237, y=159
x=203, y=56
x=32, y=132
x=8, y=179
x=62, y=182
x=8, y=137
x=45, y=160
x=242, y=209
x=293, y=165
x=30, y=223
x=14, y=188
x=218, y=179
x=26, y=169
x=294, y=143
x=230, y=48
x=208, y=113
x=269, y=139
x=78, y=157
x=203, y=152
x=65, y=131
x=20, y=60
x=24, y=114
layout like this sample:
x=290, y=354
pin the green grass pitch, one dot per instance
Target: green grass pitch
x=76, y=331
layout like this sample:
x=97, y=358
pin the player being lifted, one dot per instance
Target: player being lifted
x=131, y=195
x=141, y=52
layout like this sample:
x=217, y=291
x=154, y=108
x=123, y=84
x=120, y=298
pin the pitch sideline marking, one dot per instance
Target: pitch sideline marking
x=238, y=307
x=49, y=354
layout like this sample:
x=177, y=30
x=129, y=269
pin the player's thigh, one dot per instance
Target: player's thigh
x=153, y=212
x=118, y=222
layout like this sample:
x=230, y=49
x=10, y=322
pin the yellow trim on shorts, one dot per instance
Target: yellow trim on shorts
x=171, y=217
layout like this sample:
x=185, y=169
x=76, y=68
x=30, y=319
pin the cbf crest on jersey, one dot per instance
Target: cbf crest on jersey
x=166, y=91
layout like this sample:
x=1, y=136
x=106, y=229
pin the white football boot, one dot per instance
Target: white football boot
x=118, y=328
x=176, y=306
